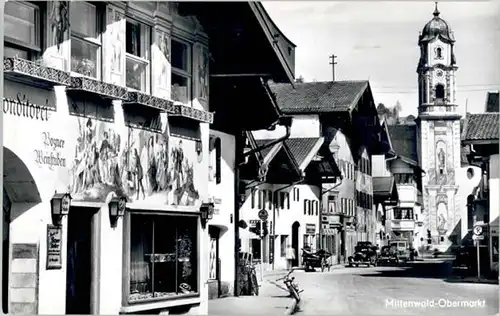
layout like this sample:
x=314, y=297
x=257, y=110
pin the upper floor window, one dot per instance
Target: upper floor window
x=181, y=71
x=22, y=30
x=85, y=39
x=404, y=178
x=138, y=43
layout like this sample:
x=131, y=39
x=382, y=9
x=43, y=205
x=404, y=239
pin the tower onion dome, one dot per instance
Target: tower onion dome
x=436, y=27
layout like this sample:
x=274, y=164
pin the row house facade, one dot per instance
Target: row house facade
x=290, y=194
x=480, y=135
x=337, y=111
x=405, y=220
x=106, y=209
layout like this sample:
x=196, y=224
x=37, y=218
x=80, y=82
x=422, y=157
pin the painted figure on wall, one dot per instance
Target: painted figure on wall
x=95, y=165
x=116, y=46
x=164, y=46
x=203, y=73
x=441, y=159
x=442, y=214
x=59, y=21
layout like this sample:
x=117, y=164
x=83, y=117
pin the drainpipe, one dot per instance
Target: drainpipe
x=274, y=214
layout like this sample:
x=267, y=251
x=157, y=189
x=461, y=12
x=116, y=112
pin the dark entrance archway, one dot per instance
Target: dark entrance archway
x=20, y=194
x=295, y=243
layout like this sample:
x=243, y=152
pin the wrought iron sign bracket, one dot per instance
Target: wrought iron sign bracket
x=34, y=73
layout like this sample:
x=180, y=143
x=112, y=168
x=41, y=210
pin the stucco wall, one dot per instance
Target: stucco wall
x=223, y=196
x=302, y=126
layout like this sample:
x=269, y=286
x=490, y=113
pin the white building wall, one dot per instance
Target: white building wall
x=302, y=126
x=223, y=196
x=283, y=217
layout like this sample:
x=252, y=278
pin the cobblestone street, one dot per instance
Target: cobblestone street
x=369, y=291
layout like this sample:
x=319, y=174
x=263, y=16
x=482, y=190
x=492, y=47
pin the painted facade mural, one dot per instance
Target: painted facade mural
x=142, y=165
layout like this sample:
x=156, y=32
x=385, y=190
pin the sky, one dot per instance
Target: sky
x=378, y=40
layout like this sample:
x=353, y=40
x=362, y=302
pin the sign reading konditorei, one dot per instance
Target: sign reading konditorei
x=54, y=247
x=51, y=155
x=22, y=107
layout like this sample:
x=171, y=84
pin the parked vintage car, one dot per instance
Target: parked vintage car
x=402, y=249
x=364, y=253
x=388, y=256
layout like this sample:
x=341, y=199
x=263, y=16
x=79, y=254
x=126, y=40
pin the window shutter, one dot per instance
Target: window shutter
x=218, y=154
x=270, y=199
x=259, y=198
x=253, y=198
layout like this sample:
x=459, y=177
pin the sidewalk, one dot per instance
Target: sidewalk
x=271, y=301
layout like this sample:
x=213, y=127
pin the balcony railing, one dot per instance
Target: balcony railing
x=401, y=224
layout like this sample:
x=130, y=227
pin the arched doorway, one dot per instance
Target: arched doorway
x=295, y=243
x=20, y=193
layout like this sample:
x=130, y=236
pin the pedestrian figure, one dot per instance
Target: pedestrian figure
x=290, y=256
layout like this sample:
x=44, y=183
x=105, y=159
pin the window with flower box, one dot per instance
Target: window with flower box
x=181, y=71
x=163, y=256
x=22, y=30
x=138, y=47
x=85, y=39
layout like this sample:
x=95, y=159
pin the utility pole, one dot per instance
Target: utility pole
x=333, y=63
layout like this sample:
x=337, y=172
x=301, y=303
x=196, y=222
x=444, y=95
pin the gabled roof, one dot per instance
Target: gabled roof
x=304, y=149
x=319, y=97
x=493, y=102
x=404, y=141
x=481, y=127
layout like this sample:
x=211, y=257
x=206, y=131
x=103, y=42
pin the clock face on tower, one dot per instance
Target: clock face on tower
x=439, y=73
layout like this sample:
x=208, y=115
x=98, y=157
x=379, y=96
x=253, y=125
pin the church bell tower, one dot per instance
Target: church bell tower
x=439, y=132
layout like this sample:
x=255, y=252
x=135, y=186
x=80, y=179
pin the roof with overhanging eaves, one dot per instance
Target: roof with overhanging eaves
x=319, y=97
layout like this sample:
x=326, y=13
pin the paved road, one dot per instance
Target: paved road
x=385, y=291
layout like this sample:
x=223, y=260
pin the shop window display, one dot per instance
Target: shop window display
x=163, y=256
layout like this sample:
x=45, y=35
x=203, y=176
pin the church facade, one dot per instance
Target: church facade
x=438, y=125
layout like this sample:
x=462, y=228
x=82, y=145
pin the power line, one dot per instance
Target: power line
x=416, y=91
x=413, y=87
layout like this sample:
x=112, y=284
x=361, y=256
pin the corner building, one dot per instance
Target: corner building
x=106, y=101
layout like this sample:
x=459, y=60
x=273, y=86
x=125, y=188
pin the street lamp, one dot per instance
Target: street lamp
x=116, y=206
x=59, y=206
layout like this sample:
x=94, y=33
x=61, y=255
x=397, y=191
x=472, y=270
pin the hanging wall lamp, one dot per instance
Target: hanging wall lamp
x=117, y=207
x=59, y=204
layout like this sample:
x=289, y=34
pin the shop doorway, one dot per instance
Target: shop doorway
x=295, y=243
x=214, y=260
x=81, y=276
